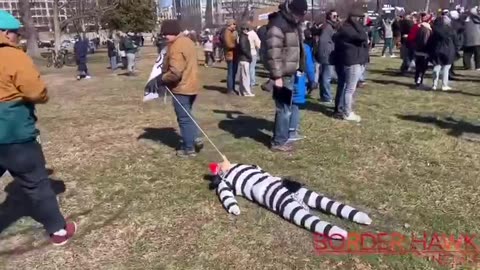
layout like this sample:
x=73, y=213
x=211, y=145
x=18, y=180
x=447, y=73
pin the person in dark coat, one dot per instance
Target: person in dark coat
x=350, y=55
x=407, y=53
x=112, y=53
x=441, y=47
x=324, y=50
x=458, y=27
x=244, y=58
x=81, y=51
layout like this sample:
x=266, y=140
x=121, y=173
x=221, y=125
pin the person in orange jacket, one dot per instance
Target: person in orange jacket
x=20, y=154
x=230, y=44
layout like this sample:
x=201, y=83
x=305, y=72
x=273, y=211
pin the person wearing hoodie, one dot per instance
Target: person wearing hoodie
x=441, y=48
x=388, y=32
x=21, y=88
x=323, y=55
x=418, y=39
x=458, y=28
x=351, y=54
x=244, y=58
x=180, y=75
x=303, y=81
x=81, y=51
x=472, y=40
x=285, y=57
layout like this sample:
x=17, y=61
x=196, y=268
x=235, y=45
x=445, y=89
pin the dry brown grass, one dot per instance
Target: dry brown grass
x=139, y=207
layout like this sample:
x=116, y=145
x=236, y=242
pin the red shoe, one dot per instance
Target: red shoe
x=71, y=229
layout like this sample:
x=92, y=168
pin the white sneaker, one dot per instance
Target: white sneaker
x=87, y=77
x=434, y=88
x=383, y=56
x=150, y=96
x=249, y=95
x=446, y=88
x=353, y=117
x=393, y=56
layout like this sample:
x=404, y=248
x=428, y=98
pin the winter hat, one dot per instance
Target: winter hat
x=8, y=22
x=454, y=15
x=357, y=10
x=298, y=7
x=171, y=27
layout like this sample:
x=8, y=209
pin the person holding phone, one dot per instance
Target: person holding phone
x=285, y=60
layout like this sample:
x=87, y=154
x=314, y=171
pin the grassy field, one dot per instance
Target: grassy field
x=413, y=164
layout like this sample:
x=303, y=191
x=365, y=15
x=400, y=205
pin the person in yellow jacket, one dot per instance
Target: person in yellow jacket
x=20, y=154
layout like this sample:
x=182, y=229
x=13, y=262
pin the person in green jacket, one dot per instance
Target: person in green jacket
x=130, y=50
x=20, y=154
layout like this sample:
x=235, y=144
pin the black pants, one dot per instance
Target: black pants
x=421, y=66
x=468, y=52
x=26, y=163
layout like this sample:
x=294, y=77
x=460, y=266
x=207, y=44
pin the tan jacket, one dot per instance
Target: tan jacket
x=19, y=79
x=180, y=70
x=230, y=44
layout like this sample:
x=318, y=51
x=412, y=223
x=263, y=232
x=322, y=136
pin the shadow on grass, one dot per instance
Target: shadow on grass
x=244, y=126
x=457, y=127
x=217, y=88
x=395, y=82
x=30, y=243
x=318, y=107
x=167, y=136
x=17, y=205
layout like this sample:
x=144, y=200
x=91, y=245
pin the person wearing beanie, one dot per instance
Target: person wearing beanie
x=351, y=54
x=20, y=154
x=441, y=48
x=230, y=44
x=285, y=58
x=180, y=75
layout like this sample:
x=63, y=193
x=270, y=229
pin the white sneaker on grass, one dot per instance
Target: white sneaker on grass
x=393, y=56
x=88, y=77
x=446, y=88
x=150, y=96
x=353, y=117
x=249, y=95
x=434, y=87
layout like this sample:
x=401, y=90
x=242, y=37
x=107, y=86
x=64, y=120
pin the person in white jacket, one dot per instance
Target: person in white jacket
x=207, y=41
x=255, y=44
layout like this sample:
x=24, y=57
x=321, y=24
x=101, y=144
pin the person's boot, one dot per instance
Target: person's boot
x=282, y=148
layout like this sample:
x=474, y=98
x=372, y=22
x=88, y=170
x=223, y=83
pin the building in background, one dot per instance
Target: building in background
x=42, y=12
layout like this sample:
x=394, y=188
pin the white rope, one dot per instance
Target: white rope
x=195, y=122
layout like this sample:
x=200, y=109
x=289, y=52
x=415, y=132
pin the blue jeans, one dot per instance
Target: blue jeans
x=363, y=77
x=325, y=82
x=339, y=96
x=253, y=65
x=352, y=76
x=232, y=67
x=283, y=115
x=188, y=130
x=294, y=119
x=113, y=63
x=26, y=163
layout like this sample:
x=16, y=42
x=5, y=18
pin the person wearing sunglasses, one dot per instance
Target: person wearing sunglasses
x=323, y=55
x=20, y=154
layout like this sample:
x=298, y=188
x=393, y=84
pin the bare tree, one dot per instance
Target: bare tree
x=79, y=13
x=29, y=26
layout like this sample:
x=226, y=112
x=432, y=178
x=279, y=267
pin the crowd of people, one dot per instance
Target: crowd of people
x=298, y=58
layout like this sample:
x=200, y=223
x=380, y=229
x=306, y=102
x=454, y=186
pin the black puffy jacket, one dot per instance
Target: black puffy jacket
x=351, y=44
